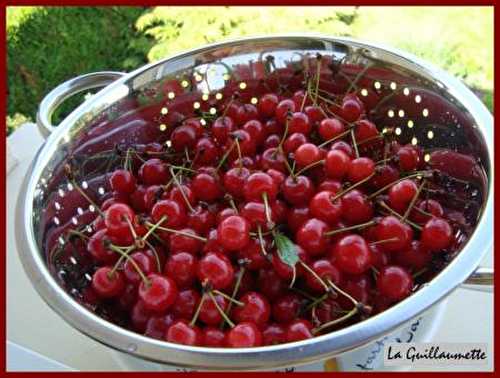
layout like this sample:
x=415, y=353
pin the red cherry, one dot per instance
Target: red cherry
x=408, y=158
x=311, y=236
x=384, y=175
x=358, y=208
x=145, y=263
x=256, y=130
x=272, y=158
x=178, y=193
x=273, y=334
x=253, y=255
x=337, y=164
x=315, y=114
x=365, y=130
x=307, y=154
x=157, y=326
x=201, y=220
x=255, y=309
x=293, y=142
x=299, y=329
x=234, y=179
x=298, y=190
x=272, y=141
x=183, y=137
x=222, y=128
x=299, y=123
x=206, y=187
x=215, y=269
x=284, y=270
x=352, y=255
x=244, y=335
x=329, y=128
x=213, y=337
x=360, y=169
x=344, y=147
x=284, y=108
x=182, y=268
x=209, y=314
x=257, y=185
x=195, y=123
x=181, y=332
x=394, y=282
x=286, y=308
x=174, y=212
x=415, y=257
x=108, y=284
x=330, y=185
x=322, y=207
x=97, y=247
x=267, y=105
x=139, y=316
x=428, y=206
x=326, y=271
x=116, y=217
x=380, y=257
x=186, y=303
x=206, y=151
x=401, y=194
x=234, y=233
x=159, y=293
x=436, y=234
x=154, y=172
x=255, y=214
x=270, y=284
x=123, y=181
x=178, y=242
x=351, y=108
x=391, y=228
x=246, y=112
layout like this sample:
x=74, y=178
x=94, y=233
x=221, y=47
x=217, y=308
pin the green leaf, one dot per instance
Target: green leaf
x=287, y=250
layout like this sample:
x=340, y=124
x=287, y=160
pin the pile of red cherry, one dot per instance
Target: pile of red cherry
x=269, y=224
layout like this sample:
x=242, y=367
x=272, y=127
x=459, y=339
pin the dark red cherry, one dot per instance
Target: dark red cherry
x=298, y=190
x=255, y=309
x=206, y=187
x=183, y=138
x=330, y=128
x=312, y=237
x=222, y=128
x=394, y=282
x=259, y=184
x=436, y=234
x=182, y=268
x=358, y=209
x=352, y=254
x=158, y=293
x=234, y=233
x=182, y=332
x=123, y=181
x=213, y=337
x=337, y=164
x=267, y=105
x=273, y=334
x=154, y=172
x=108, y=283
x=294, y=141
x=360, y=169
x=323, y=208
x=244, y=335
x=284, y=108
x=299, y=123
x=299, y=329
x=394, y=234
x=215, y=269
x=286, y=308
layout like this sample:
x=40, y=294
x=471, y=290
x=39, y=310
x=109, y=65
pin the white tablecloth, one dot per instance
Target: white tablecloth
x=33, y=325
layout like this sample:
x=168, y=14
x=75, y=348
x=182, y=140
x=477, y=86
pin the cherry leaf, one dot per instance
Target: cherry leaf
x=287, y=250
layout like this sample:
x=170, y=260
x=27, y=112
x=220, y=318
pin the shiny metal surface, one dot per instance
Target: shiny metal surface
x=481, y=280
x=30, y=207
x=67, y=89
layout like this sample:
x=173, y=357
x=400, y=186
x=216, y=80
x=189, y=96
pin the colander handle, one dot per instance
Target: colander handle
x=67, y=89
x=480, y=280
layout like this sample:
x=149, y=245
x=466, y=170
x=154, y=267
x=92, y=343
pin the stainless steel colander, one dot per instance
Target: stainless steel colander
x=410, y=99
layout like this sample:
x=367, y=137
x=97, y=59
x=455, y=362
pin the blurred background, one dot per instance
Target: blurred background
x=48, y=45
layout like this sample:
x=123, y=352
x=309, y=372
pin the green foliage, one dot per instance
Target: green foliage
x=175, y=29
x=48, y=45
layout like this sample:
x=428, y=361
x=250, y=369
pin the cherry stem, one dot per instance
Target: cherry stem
x=179, y=186
x=261, y=241
x=354, y=143
x=198, y=309
x=384, y=241
x=383, y=161
x=420, y=272
x=304, y=293
x=310, y=166
x=383, y=189
x=154, y=227
x=306, y=94
x=134, y=264
x=268, y=210
x=375, y=137
x=337, y=289
x=230, y=299
x=221, y=311
x=336, y=137
x=354, y=311
x=395, y=213
x=226, y=154
x=79, y=234
x=235, y=291
x=358, y=76
x=353, y=186
x=290, y=169
x=285, y=134
x=178, y=232
x=350, y=228
x=240, y=159
x=413, y=200
x=157, y=258
x=315, y=275
x=316, y=302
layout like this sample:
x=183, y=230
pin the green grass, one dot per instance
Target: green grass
x=47, y=45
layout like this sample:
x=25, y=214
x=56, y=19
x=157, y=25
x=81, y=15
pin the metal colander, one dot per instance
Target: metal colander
x=409, y=101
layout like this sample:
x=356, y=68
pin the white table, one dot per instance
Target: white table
x=34, y=326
